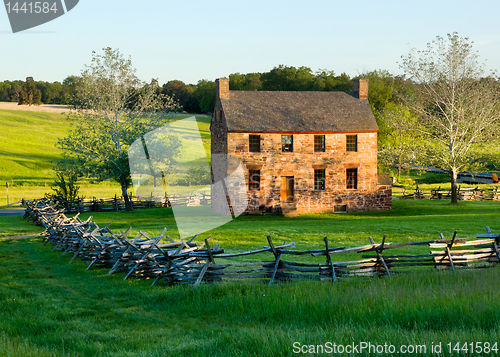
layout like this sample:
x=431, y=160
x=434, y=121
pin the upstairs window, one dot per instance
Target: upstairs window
x=254, y=143
x=319, y=143
x=352, y=143
x=319, y=179
x=352, y=179
x=287, y=143
x=254, y=180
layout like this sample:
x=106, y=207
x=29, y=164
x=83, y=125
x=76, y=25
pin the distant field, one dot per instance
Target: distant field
x=47, y=108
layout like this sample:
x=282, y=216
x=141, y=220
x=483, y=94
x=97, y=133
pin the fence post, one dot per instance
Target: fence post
x=379, y=254
x=329, y=259
x=277, y=257
x=448, y=249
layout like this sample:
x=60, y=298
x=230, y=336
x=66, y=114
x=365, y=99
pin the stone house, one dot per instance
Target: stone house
x=300, y=151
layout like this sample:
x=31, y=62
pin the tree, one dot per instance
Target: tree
x=64, y=186
x=29, y=95
x=4, y=91
x=198, y=176
x=249, y=81
x=119, y=109
x=70, y=90
x=327, y=81
x=53, y=93
x=457, y=106
x=398, y=145
x=205, y=94
x=286, y=78
x=381, y=88
x=183, y=93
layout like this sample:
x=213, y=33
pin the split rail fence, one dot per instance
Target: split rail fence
x=117, y=203
x=464, y=194
x=161, y=258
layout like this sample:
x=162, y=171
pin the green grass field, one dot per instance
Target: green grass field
x=28, y=154
x=27, y=150
x=51, y=308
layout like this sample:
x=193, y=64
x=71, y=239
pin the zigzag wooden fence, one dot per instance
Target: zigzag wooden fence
x=464, y=194
x=161, y=258
x=117, y=203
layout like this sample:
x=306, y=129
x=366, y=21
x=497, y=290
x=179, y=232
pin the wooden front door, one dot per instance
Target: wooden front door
x=287, y=188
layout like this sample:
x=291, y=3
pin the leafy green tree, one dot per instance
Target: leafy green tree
x=399, y=145
x=183, y=93
x=380, y=89
x=64, y=186
x=29, y=95
x=457, y=106
x=249, y=81
x=71, y=85
x=284, y=78
x=15, y=91
x=198, y=176
x=205, y=94
x=4, y=91
x=119, y=110
x=53, y=93
x=327, y=81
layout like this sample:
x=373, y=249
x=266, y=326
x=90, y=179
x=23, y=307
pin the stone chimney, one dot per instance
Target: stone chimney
x=361, y=88
x=222, y=88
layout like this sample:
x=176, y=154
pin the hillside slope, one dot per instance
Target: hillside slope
x=27, y=144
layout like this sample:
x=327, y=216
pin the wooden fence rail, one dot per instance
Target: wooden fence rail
x=117, y=203
x=185, y=262
x=464, y=194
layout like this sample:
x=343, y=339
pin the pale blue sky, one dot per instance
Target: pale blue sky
x=191, y=39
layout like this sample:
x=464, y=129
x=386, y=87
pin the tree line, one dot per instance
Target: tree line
x=191, y=98
x=200, y=98
x=49, y=93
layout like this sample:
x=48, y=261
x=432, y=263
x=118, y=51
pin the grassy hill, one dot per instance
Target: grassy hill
x=27, y=150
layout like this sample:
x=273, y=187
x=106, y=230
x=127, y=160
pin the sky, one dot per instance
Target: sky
x=191, y=40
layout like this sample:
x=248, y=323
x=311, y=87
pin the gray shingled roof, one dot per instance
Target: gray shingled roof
x=262, y=111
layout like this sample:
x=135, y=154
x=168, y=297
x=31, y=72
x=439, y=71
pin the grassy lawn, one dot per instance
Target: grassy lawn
x=51, y=308
x=408, y=220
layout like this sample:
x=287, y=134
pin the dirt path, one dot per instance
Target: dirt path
x=12, y=212
x=50, y=108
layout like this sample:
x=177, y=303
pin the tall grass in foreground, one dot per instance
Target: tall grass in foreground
x=50, y=308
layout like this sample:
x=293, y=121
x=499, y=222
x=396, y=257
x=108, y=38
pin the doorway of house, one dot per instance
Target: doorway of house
x=287, y=183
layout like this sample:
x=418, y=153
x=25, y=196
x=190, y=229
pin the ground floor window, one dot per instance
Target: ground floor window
x=352, y=178
x=254, y=180
x=319, y=179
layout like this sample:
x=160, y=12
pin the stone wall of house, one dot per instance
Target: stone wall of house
x=273, y=164
x=218, y=150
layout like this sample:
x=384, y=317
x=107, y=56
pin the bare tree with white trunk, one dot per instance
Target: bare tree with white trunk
x=456, y=101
